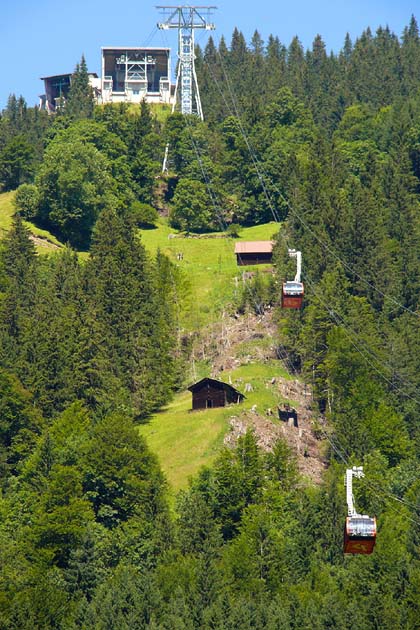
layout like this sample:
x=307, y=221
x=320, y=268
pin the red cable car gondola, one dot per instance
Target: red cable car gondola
x=359, y=534
x=292, y=295
x=293, y=291
x=360, y=529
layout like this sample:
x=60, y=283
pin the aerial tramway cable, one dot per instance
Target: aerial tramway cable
x=346, y=265
x=334, y=315
x=292, y=210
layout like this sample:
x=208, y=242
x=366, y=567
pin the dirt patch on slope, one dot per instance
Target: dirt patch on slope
x=302, y=440
x=43, y=242
x=242, y=339
x=221, y=345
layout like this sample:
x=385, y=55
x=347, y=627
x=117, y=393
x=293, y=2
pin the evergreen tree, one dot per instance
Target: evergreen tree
x=19, y=285
x=126, y=306
x=410, y=57
x=16, y=162
x=80, y=100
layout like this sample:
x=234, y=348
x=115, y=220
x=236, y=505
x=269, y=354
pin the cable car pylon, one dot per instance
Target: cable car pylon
x=186, y=19
x=360, y=529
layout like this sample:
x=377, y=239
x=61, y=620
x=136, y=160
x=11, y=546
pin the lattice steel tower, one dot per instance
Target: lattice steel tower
x=186, y=19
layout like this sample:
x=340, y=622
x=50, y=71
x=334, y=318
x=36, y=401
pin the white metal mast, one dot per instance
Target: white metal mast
x=186, y=19
x=298, y=255
x=356, y=471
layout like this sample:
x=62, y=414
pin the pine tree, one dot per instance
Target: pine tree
x=295, y=68
x=80, y=100
x=410, y=56
x=126, y=305
x=20, y=271
x=142, y=126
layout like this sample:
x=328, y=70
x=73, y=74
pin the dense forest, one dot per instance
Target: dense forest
x=328, y=145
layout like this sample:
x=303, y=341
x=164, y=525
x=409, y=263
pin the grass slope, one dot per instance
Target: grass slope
x=209, y=264
x=44, y=240
x=184, y=440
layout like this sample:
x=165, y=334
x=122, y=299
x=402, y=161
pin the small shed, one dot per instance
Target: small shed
x=209, y=393
x=288, y=414
x=254, y=252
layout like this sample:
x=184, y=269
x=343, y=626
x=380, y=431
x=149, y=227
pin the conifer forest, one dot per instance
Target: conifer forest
x=92, y=536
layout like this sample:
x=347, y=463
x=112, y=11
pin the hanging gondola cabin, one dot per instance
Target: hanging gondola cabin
x=359, y=534
x=292, y=294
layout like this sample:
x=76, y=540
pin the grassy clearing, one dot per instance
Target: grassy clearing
x=209, y=263
x=184, y=441
x=6, y=212
x=45, y=241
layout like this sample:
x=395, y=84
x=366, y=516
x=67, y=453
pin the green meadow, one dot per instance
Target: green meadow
x=45, y=241
x=185, y=440
x=209, y=264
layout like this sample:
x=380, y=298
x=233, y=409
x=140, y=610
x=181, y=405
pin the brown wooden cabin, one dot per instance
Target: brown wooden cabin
x=209, y=393
x=254, y=252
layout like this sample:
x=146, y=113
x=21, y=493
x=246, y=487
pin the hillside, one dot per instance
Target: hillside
x=44, y=241
x=238, y=349
x=119, y=506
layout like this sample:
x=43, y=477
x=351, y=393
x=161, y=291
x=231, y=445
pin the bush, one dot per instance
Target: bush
x=143, y=215
x=233, y=230
x=27, y=200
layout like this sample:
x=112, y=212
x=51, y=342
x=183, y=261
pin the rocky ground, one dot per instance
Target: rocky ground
x=224, y=348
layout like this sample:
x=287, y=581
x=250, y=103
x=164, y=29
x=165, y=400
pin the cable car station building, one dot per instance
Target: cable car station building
x=56, y=89
x=131, y=74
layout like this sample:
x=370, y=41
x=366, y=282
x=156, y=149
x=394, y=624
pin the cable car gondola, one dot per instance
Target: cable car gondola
x=359, y=529
x=292, y=295
x=293, y=291
x=359, y=534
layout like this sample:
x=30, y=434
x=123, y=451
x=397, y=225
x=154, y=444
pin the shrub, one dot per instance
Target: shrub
x=143, y=215
x=27, y=200
x=233, y=230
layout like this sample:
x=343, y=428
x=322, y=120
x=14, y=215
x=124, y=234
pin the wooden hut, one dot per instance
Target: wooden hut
x=209, y=393
x=288, y=414
x=254, y=252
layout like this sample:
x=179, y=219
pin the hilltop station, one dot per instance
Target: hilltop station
x=132, y=74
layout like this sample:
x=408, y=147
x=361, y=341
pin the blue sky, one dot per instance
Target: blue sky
x=45, y=37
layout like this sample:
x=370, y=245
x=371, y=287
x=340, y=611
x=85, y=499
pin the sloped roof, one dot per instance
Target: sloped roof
x=67, y=74
x=142, y=48
x=215, y=383
x=254, y=247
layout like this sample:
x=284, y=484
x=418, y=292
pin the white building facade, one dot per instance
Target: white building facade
x=131, y=74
